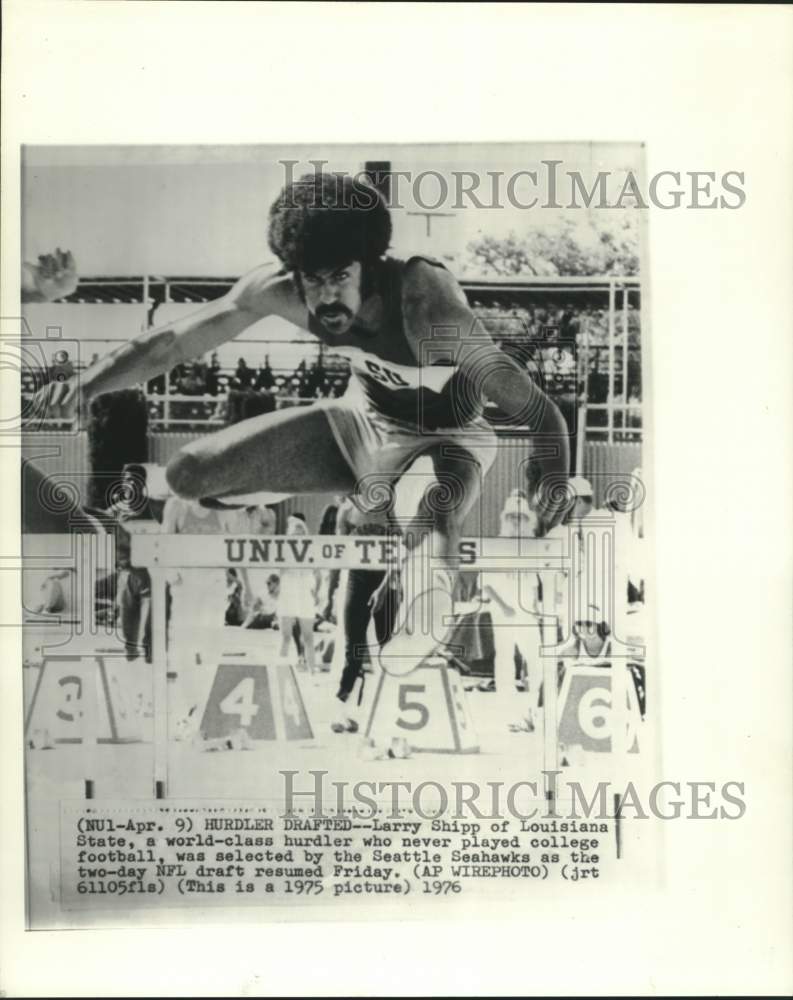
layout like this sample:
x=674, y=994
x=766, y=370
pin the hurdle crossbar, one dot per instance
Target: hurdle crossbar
x=336, y=552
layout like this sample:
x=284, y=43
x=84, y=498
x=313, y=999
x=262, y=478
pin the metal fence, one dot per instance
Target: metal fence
x=598, y=345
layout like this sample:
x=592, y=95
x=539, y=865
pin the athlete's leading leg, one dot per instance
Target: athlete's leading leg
x=430, y=570
x=290, y=451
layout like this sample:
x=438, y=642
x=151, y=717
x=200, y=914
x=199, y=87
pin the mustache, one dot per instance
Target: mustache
x=333, y=310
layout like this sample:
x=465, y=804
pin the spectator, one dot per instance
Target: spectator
x=265, y=379
x=126, y=595
x=263, y=612
x=235, y=598
x=330, y=515
x=244, y=405
x=190, y=382
x=253, y=520
x=245, y=586
x=569, y=325
x=61, y=368
x=634, y=408
x=133, y=502
x=514, y=602
x=303, y=388
x=133, y=600
x=589, y=604
x=583, y=503
x=55, y=594
x=315, y=382
x=243, y=376
x=212, y=373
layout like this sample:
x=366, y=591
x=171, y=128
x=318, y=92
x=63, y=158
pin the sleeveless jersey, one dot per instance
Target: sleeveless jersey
x=384, y=367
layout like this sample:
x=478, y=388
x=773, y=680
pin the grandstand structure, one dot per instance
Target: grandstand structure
x=579, y=336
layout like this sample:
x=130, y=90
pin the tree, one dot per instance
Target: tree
x=565, y=247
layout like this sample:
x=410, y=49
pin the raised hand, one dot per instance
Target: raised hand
x=54, y=277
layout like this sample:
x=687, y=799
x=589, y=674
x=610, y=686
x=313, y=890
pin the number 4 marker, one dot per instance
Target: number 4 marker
x=239, y=701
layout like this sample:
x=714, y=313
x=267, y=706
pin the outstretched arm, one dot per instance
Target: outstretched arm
x=259, y=294
x=438, y=317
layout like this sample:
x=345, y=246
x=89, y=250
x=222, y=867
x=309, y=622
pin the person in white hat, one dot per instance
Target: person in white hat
x=512, y=598
x=584, y=498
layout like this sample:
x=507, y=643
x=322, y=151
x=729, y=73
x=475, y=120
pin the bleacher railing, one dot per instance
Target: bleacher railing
x=603, y=376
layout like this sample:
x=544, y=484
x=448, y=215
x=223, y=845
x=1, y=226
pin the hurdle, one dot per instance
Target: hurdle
x=161, y=553
x=86, y=554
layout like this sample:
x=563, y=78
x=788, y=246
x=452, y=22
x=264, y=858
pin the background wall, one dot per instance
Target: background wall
x=67, y=455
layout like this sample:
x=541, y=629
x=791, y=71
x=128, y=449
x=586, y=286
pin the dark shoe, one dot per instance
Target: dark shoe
x=348, y=726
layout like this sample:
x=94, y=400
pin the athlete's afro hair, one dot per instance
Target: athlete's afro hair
x=328, y=220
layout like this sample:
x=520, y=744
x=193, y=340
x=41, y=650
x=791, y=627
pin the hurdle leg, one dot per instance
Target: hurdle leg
x=85, y=630
x=620, y=678
x=550, y=722
x=90, y=724
x=159, y=658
